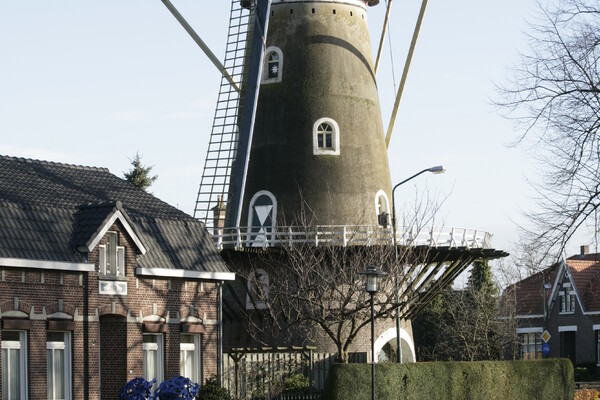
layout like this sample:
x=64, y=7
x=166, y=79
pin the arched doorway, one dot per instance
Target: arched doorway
x=386, y=346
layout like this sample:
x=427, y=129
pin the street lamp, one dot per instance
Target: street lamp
x=373, y=274
x=438, y=169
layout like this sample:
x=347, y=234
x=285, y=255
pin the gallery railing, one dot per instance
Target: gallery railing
x=345, y=235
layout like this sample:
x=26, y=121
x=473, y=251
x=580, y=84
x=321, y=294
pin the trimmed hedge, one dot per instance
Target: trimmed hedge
x=504, y=380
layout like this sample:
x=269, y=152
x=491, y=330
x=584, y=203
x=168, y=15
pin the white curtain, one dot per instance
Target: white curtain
x=11, y=374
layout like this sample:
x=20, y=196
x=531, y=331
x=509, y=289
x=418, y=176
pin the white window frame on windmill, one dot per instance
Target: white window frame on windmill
x=382, y=209
x=265, y=233
x=111, y=257
x=254, y=299
x=273, y=65
x=326, y=142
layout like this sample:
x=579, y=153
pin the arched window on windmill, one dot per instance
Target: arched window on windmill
x=262, y=215
x=326, y=137
x=273, y=67
x=382, y=208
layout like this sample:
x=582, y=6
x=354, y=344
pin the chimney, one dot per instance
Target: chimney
x=585, y=250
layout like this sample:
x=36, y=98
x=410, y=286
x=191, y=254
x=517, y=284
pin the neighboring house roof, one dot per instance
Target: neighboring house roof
x=50, y=210
x=584, y=271
x=528, y=292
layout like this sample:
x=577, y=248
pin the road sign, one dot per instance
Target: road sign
x=546, y=336
x=546, y=348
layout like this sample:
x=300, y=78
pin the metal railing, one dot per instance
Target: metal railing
x=349, y=235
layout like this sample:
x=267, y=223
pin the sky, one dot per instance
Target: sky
x=93, y=82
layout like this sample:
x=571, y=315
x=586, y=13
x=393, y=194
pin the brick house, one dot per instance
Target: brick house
x=568, y=295
x=100, y=282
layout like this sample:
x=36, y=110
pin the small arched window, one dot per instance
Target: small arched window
x=382, y=208
x=258, y=290
x=273, y=67
x=262, y=215
x=326, y=137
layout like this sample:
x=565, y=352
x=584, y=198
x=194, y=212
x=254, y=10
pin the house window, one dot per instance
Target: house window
x=273, y=68
x=190, y=357
x=567, y=302
x=58, y=365
x=531, y=346
x=14, y=365
x=326, y=137
x=258, y=290
x=112, y=256
x=152, y=348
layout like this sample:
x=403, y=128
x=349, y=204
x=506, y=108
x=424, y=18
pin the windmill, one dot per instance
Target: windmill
x=298, y=151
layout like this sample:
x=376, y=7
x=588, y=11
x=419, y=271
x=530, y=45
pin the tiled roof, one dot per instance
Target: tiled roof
x=585, y=272
x=49, y=209
x=528, y=291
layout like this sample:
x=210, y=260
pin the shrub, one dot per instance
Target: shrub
x=177, y=387
x=212, y=390
x=582, y=374
x=296, y=383
x=543, y=379
x=137, y=389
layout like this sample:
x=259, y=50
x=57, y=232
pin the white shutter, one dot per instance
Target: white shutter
x=102, y=259
x=121, y=260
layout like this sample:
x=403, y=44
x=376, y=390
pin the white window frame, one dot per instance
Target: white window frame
x=20, y=345
x=526, y=345
x=271, y=50
x=270, y=235
x=196, y=347
x=568, y=302
x=158, y=346
x=118, y=255
x=596, y=328
x=263, y=278
x=335, y=138
x=66, y=346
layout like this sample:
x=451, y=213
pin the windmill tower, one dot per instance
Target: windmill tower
x=297, y=151
x=317, y=151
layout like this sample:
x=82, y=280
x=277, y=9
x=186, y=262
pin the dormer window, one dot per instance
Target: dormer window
x=112, y=256
x=567, y=302
x=273, y=67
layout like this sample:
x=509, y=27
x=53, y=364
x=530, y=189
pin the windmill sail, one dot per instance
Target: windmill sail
x=226, y=158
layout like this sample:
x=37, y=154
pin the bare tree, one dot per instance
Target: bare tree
x=555, y=97
x=471, y=324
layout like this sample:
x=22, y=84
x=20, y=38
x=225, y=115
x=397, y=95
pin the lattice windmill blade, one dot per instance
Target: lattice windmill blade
x=231, y=132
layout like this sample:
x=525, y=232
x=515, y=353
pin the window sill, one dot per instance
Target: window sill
x=112, y=278
x=566, y=313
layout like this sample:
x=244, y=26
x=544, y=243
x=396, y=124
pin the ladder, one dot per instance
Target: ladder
x=225, y=134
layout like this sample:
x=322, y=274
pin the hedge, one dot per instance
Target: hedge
x=503, y=380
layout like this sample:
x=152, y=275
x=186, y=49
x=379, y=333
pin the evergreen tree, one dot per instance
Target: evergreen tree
x=139, y=174
x=464, y=325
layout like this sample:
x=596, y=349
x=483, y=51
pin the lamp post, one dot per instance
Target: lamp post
x=373, y=274
x=438, y=169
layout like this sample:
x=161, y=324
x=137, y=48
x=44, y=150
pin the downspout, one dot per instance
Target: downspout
x=220, y=335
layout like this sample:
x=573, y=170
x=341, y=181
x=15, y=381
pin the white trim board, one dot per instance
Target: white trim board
x=117, y=215
x=41, y=264
x=567, y=328
x=530, y=316
x=181, y=273
x=530, y=330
